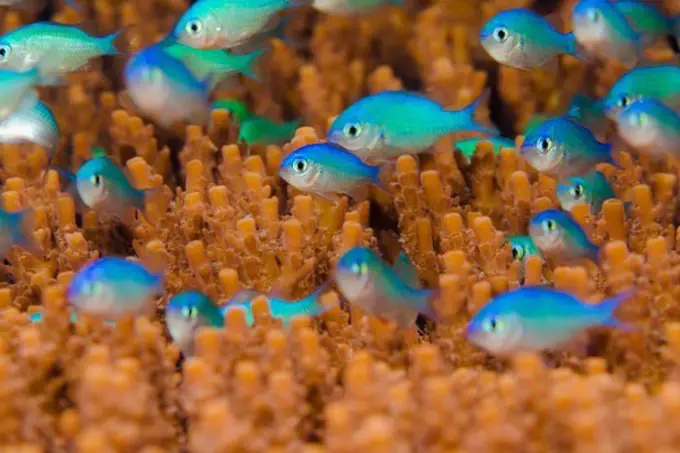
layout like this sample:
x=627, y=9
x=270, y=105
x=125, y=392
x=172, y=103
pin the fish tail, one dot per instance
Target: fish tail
x=24, y=225
x=608, y=306
x=108, y=43
x=573, y=48
x=250, y=62
x=311, y=305
x=465, y=118
x=405, y=269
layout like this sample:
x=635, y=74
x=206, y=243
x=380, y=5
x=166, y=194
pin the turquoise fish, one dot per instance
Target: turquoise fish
x=651, y=127
x=227, y=24
x=365, y=280
x=561, y=147
x=188, y=311
x=381, y=127
x=534, y=319
x=31, y=123
x=56, y=49
x=236, y=108
x=263, y=131
x=522, y=39
x=559, y=236
x=16, y=229
x=646, y=19
x=656, y=82
x=592, y=189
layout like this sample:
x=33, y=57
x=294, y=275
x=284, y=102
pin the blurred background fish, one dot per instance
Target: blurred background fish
x=31, y=123
x=651, y=127
x=558, y=236
x=561, y=147
x=112, y=287
x=592, y=189
x=656, y=82
x=263, y=131
x=365, y=280
x=16, y=229
x=187, y=312
x=604, y=31
x=531, y=319
x=216, y=65
x=469, y=145
x=280, y=309
x=165, y=90
x=522, y=39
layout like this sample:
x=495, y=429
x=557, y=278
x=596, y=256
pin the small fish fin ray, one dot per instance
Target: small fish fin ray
x=405, y=269
x=608, y=306
x=250, y=66
x=113, y=43
x=575, y=49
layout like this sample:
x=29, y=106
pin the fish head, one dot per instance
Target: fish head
x=353, y=273
x=355, y=131
x=495, y=328
x=186, y=313
x=572, y=191
x=521, y=247
x=620, y=96
x=198, y=27
x=501, y=38
x=637, y=126
x=15, y=55
x=94, y=181
x=543, y=149
x=592, y=26
x=547, y=230
x=300, y=169
x=88, y=291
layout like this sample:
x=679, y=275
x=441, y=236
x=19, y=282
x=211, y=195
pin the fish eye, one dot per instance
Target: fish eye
x=544, y=144
x=624, y=101
x=359, y=268
x=500, y=34
x=594, y=15
x=493, y=325
x=549, y=225
x=190, y=312
x=517, y=252
x=96, y=179
x=352, y=130
x=194, y=27
x=5, y=51
x=578, y=190
x=300, y=165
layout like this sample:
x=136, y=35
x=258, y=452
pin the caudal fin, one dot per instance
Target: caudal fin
x=608, y=306
x=573, y=48
x=108, y=43
x=464, y=120
x=249, y=64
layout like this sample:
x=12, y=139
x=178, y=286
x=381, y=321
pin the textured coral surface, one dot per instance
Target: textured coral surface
x=344, y=382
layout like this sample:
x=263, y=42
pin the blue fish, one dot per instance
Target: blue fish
x=561, y=147
x=604, y=31
x=366, y=280
x=165, y=90
x=592, y=189
x=112, y=287
x=188, y=311
x=37, y=317
x=16, y=229
x=531, y=319
x=651, y=127
x=656, y=82
x=468, y=146
x=558, y=235
x=280, y=309
x=522, y=39
x=327, y=169
x=381, y=127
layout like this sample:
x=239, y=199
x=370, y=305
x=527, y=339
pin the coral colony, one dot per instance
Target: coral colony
x=386, y=226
